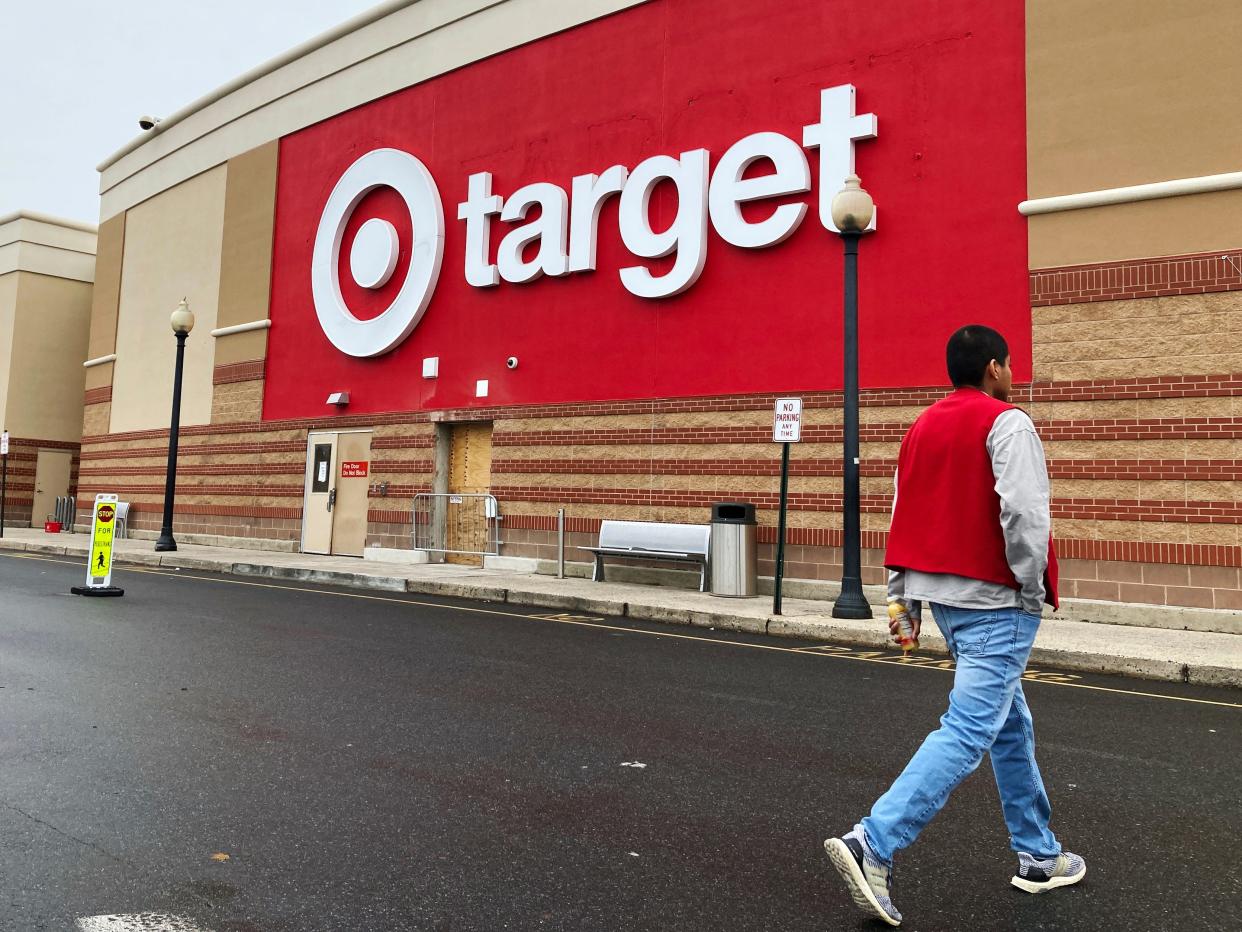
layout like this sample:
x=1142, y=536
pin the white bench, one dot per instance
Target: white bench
x=649, y=540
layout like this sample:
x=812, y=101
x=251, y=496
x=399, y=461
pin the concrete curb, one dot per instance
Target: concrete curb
x=822, y=629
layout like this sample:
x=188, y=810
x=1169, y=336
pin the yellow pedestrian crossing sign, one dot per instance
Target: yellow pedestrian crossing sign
x=103, y=533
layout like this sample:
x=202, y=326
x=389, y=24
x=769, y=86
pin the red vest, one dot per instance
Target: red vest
x=947, y=518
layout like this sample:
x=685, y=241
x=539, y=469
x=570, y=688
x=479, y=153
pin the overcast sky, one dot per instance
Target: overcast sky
x=75, y=75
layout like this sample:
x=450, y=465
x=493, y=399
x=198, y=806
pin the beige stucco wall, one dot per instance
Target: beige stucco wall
x=106, y=299
x=1174, y=226
x=1125, y=92
x=172, y=250
x=45, y=373
x=246, y=255
x=8, y=306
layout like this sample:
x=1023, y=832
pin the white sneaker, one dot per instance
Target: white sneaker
x=1036, y=875
x=864, y=875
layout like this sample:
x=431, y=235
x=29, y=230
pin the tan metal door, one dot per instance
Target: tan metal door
x=349, y=514
x=52, y=470
x=470, y=471
x=320, y=493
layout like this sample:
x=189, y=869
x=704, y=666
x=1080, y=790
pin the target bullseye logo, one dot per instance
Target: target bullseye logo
x=373, y=256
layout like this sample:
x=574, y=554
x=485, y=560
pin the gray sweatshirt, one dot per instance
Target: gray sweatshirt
x=1022, y=484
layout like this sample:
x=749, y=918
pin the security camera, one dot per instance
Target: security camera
x=148, y=122
x=511, y=362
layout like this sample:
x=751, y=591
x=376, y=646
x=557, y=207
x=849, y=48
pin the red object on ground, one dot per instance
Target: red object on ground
x=51, y=527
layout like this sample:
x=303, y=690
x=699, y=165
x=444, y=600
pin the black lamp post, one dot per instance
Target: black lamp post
x=182, y=324
x=852, y=210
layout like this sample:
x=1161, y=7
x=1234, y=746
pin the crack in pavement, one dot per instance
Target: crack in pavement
x=60, y=831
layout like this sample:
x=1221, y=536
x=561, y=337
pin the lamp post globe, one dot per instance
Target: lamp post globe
x=182, y=319
x=852, y=207
x=852, y=213
x=182, y=322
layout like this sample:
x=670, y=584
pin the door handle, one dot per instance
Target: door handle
x=331, y=499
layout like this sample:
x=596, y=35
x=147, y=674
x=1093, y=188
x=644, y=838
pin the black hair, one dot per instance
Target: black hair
x=969, y=352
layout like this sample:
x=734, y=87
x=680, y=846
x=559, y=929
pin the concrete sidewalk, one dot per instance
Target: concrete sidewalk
x=1206, y=658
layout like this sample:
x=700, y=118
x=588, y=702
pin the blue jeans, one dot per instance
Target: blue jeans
x=987, y=714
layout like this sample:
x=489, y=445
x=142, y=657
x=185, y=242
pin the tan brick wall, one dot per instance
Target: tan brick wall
x=237, y=402
x=95, y=419
x=1174, y=336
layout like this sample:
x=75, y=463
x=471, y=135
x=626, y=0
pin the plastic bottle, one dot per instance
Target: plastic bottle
x=897, y=612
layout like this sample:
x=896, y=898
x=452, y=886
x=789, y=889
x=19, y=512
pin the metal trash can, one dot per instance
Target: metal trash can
x=734, y=557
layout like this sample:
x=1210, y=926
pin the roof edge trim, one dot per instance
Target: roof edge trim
x=274, y=64
x=48, y=219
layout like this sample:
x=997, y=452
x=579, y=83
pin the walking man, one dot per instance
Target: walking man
x=971, y=536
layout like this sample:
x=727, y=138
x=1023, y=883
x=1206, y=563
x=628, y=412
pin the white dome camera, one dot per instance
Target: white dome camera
x=511, y=362
x=148, y=122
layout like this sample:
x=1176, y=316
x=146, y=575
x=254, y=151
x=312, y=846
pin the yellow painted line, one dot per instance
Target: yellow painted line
x=22, y=555
x=839, y=653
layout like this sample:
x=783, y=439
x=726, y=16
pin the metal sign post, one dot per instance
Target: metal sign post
x=103, y=532
x=4, y=477
x=786, y=429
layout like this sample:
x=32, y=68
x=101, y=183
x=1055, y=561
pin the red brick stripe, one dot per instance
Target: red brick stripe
x=34, y=443
x=240, y=491
x=1129, y=551
x=1112, y=509
x=260, y=427
x=1086, y=509
x=391, y=466
x=381, y=516
x=422, y=442
x=1186, y=428
x=685, y=467
x=222, y=511
x=295, y=468
x=811, y=433
x=1102, y=469
x=1197, y=273
x=185, y=469
x=1196, y=428
x=201, y=449
x=94, y=396
x=1160, y=386
x=245, y=371
x=1173, y=470
x=1220, y=385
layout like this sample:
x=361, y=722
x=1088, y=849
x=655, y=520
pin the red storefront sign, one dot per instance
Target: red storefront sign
x=947, y=170
x=355, y=470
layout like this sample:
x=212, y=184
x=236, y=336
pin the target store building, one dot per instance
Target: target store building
x=567, y=253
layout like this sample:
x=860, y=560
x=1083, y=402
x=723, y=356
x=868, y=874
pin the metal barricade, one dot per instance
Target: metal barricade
x=66, y=512
x=457, y=522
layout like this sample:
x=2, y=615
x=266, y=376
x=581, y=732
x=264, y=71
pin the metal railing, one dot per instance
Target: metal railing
x=66, y=512
x=457, y=522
